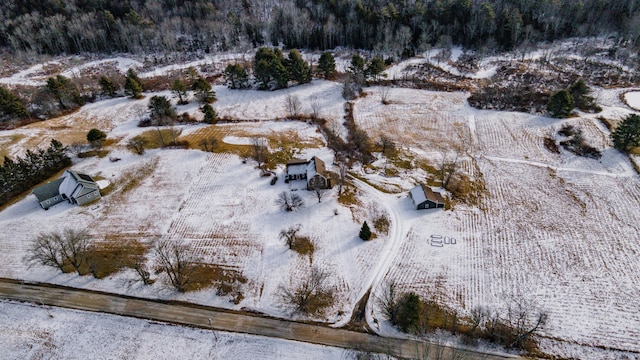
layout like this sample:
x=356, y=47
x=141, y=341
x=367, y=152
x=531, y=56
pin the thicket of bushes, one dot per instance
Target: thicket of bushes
x=515, y=329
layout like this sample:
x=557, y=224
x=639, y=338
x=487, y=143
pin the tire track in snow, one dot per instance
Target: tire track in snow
x=397, y=233
x=556, y=168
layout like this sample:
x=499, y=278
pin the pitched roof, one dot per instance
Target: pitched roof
x=422, y=193
x=48, y=190
x=432, y=195
x=320, y=167
x=297, y=162
x=84, y=179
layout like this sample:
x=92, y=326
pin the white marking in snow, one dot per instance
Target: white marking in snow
x=556, y=168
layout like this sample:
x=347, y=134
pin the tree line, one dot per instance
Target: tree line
x=395, y=27
x=23, y=173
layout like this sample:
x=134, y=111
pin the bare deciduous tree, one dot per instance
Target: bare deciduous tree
x=137, y=144
x=315, y=106
x=448, y=167
x=333, y=125
x=525, y=319
x=45, y=250
x=388, y=302
x=289, y=235
x=208, y=144
x=319, y=191
x=384, y=94
x=343, y=169
x=141, y=269
x=260, y=150
x=174, y=133
x=293, y=105
x=178, y=261
x=289, y=202
x=312, y=295
x=387, y=145
x=59, y=250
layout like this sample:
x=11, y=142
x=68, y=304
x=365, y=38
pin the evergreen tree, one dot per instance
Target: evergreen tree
x=357, y=65
x=210, y=115
x=357, y=71
x=133, y=85
x=365, y=232
x=627, y=134
x=109, y=88
x=560, y=104
x=17, y=176
x=327, y=66
x=65, y=91
x=236, y=76
x=269, y=69
x=299, y=70
x=409, y=309
x=203, y=91
x=10, y=105
x=179, y=89
x=375, y=68
x=161, y=112
x=580, y=93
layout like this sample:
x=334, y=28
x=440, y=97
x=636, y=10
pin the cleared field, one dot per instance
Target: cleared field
x=555, y=229
x=413, y=118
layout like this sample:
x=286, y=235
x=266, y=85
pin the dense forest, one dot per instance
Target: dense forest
x=395, y=28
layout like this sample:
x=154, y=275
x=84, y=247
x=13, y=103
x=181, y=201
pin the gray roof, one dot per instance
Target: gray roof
x=84, y=179
x=48, y=190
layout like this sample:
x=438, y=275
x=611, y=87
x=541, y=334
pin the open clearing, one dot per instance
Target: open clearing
x=32, y=332
x=554, y=229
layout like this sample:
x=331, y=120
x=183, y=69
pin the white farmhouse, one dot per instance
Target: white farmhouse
x=72, y=186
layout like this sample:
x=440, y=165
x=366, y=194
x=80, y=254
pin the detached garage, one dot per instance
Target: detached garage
x=425, y=198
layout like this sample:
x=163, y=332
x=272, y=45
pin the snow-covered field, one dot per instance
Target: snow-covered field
x=35, y=332
x=555, y=229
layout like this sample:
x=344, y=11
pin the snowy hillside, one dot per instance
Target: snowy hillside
x=555, y=229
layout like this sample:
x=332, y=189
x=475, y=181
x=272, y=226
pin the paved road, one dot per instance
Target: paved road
x=224, y=320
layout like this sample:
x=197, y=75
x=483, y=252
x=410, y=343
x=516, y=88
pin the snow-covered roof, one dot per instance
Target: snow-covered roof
x=422, y=193
x=309, y=167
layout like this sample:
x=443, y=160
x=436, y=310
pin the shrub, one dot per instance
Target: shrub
x=137, y=144
x=96, y=137
x=303, y=245
x=381, y=224
x=312, y=295
x=560, y=104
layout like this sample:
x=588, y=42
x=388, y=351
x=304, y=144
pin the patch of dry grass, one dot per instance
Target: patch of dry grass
x=285, y=145
x=226, y=280
x=110, y=256
x=101, y=153
x=159, y=137
x=288, y=146
x=6, y=142
x=349, y=196
x=381, y=223
x=216, y=132
x=303, y=245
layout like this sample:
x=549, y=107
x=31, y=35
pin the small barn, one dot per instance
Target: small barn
x=313, y=171
x=72, y=186
x=425, y=198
